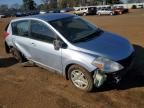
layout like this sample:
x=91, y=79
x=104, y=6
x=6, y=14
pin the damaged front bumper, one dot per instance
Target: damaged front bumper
x=101, y=77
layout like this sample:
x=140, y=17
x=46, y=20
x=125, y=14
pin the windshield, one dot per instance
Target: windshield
x=75, y=29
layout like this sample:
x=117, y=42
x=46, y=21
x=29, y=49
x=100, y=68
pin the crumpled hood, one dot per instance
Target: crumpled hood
x=108, y=45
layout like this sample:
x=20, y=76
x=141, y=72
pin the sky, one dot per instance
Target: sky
x=10, y=2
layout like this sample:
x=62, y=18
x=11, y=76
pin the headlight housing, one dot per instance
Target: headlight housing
x=107, y=65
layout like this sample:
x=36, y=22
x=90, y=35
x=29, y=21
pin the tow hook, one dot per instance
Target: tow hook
x=99, y=78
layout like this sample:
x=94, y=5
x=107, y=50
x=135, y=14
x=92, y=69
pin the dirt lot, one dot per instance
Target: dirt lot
x=33, y=87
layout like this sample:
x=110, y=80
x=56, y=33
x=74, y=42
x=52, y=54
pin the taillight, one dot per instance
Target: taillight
x=5, y=34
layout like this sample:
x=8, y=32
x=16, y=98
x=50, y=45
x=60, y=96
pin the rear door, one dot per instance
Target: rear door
x=20, y=37
x=42, y=47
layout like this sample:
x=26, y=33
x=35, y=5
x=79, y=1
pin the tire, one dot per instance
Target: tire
x=111, y=13
x=84, y=14
x=80, y=78
x=17, y=55
x=99, y=14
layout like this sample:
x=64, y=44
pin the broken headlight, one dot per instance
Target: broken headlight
x=107, y=65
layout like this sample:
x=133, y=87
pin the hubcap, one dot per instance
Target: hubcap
x=79, y=80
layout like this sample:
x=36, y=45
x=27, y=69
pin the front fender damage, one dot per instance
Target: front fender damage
x=99, y=78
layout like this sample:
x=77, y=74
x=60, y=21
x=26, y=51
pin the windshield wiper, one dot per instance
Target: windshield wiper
x=89, y=37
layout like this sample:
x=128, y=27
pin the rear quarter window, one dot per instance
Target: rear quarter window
x=20, y=28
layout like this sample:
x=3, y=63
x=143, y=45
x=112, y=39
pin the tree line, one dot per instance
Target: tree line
x=29, y=5
x=48, y=4
x=52, y=4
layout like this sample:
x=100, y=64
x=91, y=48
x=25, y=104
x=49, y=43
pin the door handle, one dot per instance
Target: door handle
x=33, y=44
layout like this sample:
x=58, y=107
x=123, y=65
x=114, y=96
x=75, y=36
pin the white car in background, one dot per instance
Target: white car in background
x=1, y=16
x=105, y=12
x=85, y=10
x=42, y=12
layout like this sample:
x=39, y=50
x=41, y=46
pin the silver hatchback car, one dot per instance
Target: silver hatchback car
x=71, y=46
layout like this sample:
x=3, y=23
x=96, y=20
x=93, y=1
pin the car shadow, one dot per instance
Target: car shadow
x=7, y=62
x=134, y=78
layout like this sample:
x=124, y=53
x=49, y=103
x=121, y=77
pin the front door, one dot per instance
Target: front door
x=42, y=47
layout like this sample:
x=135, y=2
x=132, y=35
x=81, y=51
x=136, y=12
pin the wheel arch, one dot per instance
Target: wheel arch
x=66, y=70
x=88, y=68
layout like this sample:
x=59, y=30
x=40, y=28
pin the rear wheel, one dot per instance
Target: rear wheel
x=80, y=78
x=17, y=55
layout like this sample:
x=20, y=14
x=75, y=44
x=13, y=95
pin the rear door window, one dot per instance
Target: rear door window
x=41, y=32
x=21, y=28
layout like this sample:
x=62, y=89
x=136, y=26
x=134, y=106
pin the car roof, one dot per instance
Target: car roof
x=51, y=16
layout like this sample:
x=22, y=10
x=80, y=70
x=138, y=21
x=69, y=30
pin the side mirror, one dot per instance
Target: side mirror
x=57, y=44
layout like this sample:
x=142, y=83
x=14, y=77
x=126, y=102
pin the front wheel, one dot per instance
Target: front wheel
x=80, y=78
